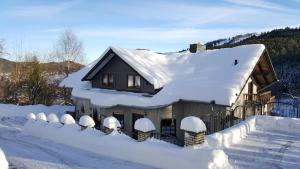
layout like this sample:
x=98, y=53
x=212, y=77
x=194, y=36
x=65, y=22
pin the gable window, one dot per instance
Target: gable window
x=108, y=80
x=133, y=81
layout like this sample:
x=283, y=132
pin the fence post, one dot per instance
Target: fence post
x=231, y=118
x=244, y=113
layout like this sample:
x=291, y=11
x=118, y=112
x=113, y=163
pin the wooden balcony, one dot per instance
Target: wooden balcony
x=258, y=98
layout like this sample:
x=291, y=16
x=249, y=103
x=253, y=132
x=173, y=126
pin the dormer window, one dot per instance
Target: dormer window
x=108, y=80
x=133, y=81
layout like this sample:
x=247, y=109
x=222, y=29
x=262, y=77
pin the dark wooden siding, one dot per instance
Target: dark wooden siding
x=120, y=70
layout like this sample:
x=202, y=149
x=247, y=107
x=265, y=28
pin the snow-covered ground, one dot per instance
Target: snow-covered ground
x=28, y=152
x=266, y=149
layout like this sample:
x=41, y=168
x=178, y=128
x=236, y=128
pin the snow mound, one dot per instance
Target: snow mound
x=67, y=119
x=3, y=161
x=111, y=123
x=193, y=124
x=144, y=125
x=86, y=121
x=52, y=118
x=31, y=116
x=41, y=116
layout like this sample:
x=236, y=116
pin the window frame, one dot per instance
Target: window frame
x=134, y=82
x=109, y=83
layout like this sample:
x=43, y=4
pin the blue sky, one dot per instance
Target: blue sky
x=162, y=26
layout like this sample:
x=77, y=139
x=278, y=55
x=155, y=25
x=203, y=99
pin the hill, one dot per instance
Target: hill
x=283, y=46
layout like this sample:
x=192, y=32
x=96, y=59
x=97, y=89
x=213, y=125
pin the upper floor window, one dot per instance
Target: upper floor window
x=108, y=79
x=133, y=81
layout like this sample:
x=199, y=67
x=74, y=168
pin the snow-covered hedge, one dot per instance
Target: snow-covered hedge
x=192, y=124
x=67, y=119
x=144, y=125
x=152, y=152
x=86, y=121
x=52, y=118
x=3, y=161
x=31, y=116
x=41, y=116
x=111, y=123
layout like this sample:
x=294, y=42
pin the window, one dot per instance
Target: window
x=120, y=118
x=108, y=80
x=168, y=127
x=133, y=81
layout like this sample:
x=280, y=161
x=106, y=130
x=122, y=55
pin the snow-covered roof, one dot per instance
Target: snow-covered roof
x=193, y=124
x=205, y=76
x=144, y=125
x=3, y=161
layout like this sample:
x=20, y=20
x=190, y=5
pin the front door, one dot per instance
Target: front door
x=134, y=118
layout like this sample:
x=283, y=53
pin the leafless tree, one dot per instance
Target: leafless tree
x=69, y=49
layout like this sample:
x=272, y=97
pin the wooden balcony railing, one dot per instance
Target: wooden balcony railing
x=258, y=98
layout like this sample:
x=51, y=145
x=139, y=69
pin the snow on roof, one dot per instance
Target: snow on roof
x=205, y=76
x=144, y=125
x=86, y=121
x=31, y=116
x=111, y=123
x=52, y=118
x=193, y=124
x=41, y=116
x=67, y=119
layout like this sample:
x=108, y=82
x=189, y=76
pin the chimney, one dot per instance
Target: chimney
x=196, y=47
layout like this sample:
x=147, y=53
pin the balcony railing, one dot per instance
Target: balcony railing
x=258, y=98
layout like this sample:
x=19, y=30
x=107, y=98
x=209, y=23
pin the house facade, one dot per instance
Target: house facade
x=133, y=83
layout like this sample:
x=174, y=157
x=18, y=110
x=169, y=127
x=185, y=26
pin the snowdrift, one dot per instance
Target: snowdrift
x=151, y=152
x=3, y=161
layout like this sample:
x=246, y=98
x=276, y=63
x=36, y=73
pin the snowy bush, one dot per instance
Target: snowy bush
x=67, y=119
x=41, y=116
x=192, y=124
x=111, y=123
x=31, y=116
x=52, y=118
x=86, y=121
x=3, y=161
x=144, y=125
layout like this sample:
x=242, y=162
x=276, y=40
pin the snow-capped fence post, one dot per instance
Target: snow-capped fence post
x=86, y=122
x=110, y=124
x=194, y=129
x=145, y=127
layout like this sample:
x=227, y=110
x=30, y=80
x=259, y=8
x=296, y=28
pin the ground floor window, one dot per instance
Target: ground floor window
x=120, y=118
x=168, y=127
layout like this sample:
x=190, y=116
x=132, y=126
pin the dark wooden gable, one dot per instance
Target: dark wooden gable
x=113, y=64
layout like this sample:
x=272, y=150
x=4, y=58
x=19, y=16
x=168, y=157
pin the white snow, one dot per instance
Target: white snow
x=152, y=152
x=111, y=123
x=185, y=76
x=193, y=124
x=41, y=116
x=3, y=161
x=31, y=116
x=67, y=119
x=86, y=121
x=144, y=125
x=10, y=110
x=52, y=118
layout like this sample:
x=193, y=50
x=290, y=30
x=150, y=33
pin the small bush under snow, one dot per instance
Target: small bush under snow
x=192, y=124
x=52, y=118
x=67, y=119
x=86, y=121
x=111, y=123
x=41, y=116
x=3, y=161
x=31, y=116
x=144, y=125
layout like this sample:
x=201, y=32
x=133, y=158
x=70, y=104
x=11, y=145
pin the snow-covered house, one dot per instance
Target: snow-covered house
x=132, y=83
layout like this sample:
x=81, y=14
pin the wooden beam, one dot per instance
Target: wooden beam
x=261, y=71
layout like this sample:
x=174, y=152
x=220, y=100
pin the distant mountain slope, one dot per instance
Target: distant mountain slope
x=7, y=66
x=283, y=46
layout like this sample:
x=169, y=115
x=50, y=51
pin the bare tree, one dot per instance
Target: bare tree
x=69, y=49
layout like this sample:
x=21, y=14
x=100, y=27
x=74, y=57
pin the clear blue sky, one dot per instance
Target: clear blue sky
x=162, y=26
